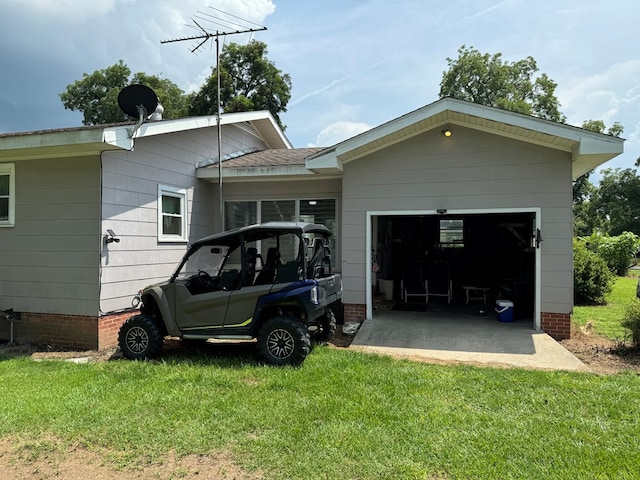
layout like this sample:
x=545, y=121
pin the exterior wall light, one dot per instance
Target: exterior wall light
x=446, y=131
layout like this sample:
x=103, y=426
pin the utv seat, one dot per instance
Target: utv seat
x=268, y=273
x=250, y=264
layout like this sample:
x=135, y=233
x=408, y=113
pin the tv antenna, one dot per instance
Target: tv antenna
x=231, y=25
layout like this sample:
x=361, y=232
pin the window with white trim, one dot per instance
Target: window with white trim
x=7, y=195
x=172, y=214
x=313, y=210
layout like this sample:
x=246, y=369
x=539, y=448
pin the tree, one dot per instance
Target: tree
x=96, y=95
x=248, y=82
x=587, y=218
x=488, y=80
x=617, y=201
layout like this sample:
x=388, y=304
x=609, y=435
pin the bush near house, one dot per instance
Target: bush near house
x=592, y=278
x=619, y=251
x=631, y=321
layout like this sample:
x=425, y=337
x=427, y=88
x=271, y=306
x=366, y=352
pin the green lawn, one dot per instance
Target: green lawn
x=341, y=415
x=606, y=319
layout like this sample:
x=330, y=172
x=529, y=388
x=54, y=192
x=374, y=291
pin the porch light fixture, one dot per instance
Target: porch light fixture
x=446, y=131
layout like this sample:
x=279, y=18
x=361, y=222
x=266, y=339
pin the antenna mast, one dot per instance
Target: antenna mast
x=204, y=35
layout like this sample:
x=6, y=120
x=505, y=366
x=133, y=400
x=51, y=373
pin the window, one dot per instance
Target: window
x=7, y=195
x=452, y=233
x=313, y=210
x=172, y=214
x=277, y=211
x=322, y=211
x=240, y=214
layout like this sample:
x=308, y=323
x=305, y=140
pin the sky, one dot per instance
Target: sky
x=354, y=65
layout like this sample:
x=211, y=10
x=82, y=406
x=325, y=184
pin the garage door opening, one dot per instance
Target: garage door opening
x=456, y=259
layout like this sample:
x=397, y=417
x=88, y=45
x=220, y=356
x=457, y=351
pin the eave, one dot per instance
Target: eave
x=587, y=149
x=259, y=174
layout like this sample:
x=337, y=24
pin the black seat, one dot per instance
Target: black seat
x=315, y=266
x=251, y=259
x=268, y=273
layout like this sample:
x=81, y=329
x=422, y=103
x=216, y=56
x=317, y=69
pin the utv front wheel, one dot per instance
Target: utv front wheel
x=284, y=341
x=140, y=337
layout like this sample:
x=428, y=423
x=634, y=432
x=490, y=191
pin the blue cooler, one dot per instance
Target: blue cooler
x=504, y=310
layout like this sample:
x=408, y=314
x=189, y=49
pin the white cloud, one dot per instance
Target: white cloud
x=338, y=132
x=69, y=9
x=604, y=95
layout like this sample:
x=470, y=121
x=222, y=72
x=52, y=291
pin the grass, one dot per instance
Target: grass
x=606, y=318
x=341, y=415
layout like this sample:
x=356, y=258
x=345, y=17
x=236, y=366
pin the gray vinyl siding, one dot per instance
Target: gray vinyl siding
x=129, y=198
x=48, y=260
x=470, y=171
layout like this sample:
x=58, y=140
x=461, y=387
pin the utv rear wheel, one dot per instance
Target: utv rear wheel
x=140, y=337
x=327, y=325
x=284, y=341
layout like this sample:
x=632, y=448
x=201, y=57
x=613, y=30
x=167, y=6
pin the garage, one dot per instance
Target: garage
x=459, y=258
x=471, y=197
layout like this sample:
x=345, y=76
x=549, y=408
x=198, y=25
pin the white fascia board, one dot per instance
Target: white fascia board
x=259, y=173
x=598, y=146
x=118, y=137
x=325, y=163
x=261, y=120
x=592, y=152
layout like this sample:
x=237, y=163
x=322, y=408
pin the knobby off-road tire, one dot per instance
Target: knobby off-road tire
x=328, y=327
x=140, y=337
x=284, y=341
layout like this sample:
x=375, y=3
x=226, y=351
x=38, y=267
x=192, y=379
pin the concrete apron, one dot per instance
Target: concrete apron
x=458, y=334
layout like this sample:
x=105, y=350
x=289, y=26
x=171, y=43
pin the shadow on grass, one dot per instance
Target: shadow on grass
x=229, y=354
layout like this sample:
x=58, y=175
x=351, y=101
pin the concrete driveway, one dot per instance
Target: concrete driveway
x=457, y=333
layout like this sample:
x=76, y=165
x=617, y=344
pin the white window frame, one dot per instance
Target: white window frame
x=181, y=194
x=337, y=251
x=10, y=169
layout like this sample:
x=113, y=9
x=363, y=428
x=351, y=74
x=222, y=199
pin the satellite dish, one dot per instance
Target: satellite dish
x=137, y=101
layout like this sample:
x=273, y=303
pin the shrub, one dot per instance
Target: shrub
x=619, y=252
x=592, y=279
x=631, y=321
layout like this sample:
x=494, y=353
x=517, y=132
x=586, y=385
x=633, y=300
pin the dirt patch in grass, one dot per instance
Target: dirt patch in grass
x=43, y=459
x=600, y=354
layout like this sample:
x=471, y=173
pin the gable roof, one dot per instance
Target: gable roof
x=95, y=139
x=274, y=164
x=588, y=149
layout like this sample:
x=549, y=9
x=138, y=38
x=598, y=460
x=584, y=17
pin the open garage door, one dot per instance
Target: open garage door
x=457, y=258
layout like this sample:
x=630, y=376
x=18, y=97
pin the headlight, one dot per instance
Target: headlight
x=314, y=295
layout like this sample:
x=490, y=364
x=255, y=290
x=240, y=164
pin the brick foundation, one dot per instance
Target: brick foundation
x=557, y=325
x=108, y=327
x=66, y=331
x=354, y=312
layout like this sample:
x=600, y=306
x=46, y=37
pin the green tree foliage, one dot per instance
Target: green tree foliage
x=96, y=95
x=586, y=219
x=592, y=279
x=248, y=81
x=488, y=80
x=615, y=204
x=618, y=252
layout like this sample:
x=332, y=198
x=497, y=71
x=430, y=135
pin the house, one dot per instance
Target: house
x=482, y=212
x=65, y=190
